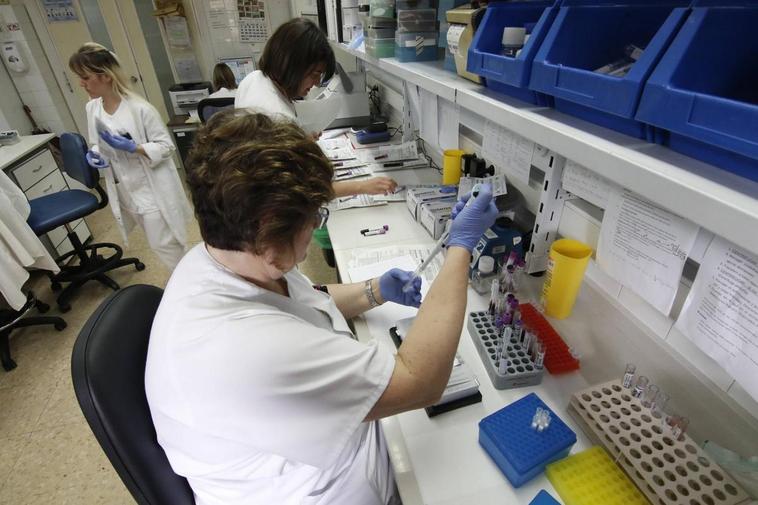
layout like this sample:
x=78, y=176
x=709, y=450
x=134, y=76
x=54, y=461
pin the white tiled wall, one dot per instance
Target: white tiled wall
x=31, y=84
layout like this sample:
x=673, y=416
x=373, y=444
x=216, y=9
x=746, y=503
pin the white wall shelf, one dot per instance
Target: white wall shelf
x=713, y=198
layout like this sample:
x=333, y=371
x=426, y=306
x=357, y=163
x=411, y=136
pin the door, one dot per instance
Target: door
x=100, y=21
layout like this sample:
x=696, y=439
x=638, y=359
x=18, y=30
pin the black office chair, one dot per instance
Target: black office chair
x=108, y=371
x=11, y=319
x=62, y=208
x=209, y=106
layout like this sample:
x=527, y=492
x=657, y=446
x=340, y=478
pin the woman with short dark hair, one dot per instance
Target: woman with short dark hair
x=224, y=82
x=297, y=57
x=259, y=392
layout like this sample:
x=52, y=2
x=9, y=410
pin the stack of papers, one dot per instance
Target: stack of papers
x=350, y=202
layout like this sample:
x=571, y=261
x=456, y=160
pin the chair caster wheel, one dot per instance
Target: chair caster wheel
x=56, y=286
x=42, y=307
x=64, y=307
x=139, y=266
x=60, y=326
x=9, y=365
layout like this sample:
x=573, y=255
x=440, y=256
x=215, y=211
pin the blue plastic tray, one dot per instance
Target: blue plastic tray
x=504, y=74
x=588, y=34
x=703, y=95
x=519, y=451
x=544, y=498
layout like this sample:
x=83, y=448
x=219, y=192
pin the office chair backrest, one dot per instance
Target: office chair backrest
x=74, y=150
x=209, y=106
x=108, y=371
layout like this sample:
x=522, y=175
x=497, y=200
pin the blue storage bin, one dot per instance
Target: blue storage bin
x=520, y=451
x=504, y=74
x=588, y=34
x=703, y=95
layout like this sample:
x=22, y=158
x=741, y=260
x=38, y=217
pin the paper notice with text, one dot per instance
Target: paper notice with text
x=644, y=247
x=720, y=314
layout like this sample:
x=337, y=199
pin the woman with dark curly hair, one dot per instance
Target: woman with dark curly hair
x=259, y=392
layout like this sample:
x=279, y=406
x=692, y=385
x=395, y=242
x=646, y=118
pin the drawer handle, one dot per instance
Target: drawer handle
x=37, y=169
x=47, y=188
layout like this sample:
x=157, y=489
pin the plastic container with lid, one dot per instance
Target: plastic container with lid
x=416, y=46
x=382, y=8
x=380, y=33
x=418, y=20
x=380, y=48
x=374, y=22
x=413, y=4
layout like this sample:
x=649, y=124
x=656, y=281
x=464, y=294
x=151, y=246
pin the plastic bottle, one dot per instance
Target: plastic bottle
x=482, y=279
x=513, y=40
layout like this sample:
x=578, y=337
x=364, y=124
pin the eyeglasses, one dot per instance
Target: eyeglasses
x=321, y=217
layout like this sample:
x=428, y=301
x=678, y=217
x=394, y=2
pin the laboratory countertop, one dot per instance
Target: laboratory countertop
x=28, y=144
x=438, y=461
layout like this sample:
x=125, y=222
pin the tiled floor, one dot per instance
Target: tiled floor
x=47, y=451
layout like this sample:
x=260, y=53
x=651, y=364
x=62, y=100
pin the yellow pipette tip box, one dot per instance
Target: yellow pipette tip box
x=592, y=478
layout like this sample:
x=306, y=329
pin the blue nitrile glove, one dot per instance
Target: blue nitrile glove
x=472, y=221
x=96, y=160
x=119, y=142
x=391, y=288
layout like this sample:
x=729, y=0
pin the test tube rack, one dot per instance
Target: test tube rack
x=666, y=470
x=521, y=370
x=558, y=358
x=591, y=478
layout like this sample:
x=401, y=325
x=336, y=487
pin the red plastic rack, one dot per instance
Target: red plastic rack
x=558, y=358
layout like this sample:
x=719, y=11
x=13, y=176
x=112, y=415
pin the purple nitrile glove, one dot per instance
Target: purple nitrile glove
x=119, y=142
x=471, y=221
x=96, y=160
x=391, y=288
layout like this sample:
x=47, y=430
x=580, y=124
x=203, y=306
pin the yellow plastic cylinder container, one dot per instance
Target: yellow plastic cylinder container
x=565, y=270
x=451, y=166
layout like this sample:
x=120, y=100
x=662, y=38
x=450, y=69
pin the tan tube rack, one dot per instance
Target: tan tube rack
x=667, y=471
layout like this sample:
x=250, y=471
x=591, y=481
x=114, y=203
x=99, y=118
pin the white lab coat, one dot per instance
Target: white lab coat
x=20, y=248
x=224, y=93
x=159, y=169
x=259, y=93
x=259, y=398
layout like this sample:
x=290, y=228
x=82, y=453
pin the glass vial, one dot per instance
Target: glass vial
x=629, y=375
x=648, y=397
x=658, y=408
x=679, y=428
x=539, y=355
x=640, y=387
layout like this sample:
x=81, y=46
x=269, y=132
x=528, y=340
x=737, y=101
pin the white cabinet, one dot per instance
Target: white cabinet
x=38, y=175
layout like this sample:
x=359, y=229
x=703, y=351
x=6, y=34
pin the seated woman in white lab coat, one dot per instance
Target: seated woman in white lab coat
x=297, y=57
x=224, y=83
x=258, y=390
x=130, y=142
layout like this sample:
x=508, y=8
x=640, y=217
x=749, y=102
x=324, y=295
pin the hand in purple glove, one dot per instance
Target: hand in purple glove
x=96, y=160
x=119, y=142
x=471, y=221
x=391, y=288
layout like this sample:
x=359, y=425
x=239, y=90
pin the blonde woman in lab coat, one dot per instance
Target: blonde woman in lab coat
x=127, y=134
x=296, y=58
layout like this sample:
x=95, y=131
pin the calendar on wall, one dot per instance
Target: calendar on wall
x=252, y=20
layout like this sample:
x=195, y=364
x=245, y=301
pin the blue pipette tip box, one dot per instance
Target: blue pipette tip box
x=520, y=451
x=544, y=498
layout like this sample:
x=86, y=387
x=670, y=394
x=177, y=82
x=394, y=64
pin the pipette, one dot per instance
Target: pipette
x=437, y=247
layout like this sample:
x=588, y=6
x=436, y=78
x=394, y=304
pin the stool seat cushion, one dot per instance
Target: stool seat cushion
x=51, y=211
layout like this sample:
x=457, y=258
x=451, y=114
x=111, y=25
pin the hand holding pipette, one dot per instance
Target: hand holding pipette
x=472, y=215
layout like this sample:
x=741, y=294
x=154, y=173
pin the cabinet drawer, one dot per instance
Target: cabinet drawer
x=57, y=235
x=82, y=231
x=53, y=183
x=34, y=170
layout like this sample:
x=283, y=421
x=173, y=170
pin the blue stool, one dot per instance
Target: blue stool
x=60, y=209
